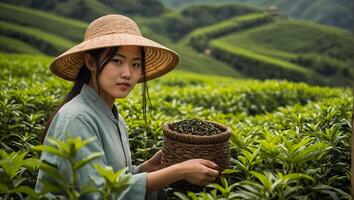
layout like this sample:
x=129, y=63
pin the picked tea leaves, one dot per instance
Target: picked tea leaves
x=195, y=127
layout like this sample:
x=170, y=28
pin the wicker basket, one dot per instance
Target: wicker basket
x=179, y=147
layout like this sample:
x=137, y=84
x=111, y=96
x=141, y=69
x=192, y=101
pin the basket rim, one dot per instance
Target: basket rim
x=197, y=139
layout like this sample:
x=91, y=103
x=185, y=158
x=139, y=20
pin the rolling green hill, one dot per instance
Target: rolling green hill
x=10, y=45
x=90, y=9
x=43, y=41
x=324, y=50
x=179, y=23
x=61, y=26
x=337, y=13
x=243, y=47
x=42, y=32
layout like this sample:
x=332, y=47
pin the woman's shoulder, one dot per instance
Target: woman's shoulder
x=75, y=108
x=73, y=115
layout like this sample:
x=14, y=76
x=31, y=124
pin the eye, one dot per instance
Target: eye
x=117, y=60
x=136, y=65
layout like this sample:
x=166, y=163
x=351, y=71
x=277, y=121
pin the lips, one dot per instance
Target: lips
x=124, y=84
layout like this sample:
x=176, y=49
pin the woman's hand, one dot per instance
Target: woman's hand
x=196, y=171
x=199, y=171
x=152, y=164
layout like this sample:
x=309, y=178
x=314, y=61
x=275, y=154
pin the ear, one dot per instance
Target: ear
x=89, y=62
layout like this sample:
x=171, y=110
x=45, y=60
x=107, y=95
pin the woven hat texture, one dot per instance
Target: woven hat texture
x=115, y=30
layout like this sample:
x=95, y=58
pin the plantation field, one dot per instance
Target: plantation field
x=293, y=49
x=289, y=140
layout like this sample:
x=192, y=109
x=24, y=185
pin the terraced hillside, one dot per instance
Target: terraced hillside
x=261, y=46
x=241, y=48
x=23, y=34
x=92, y=9
x=335, y=13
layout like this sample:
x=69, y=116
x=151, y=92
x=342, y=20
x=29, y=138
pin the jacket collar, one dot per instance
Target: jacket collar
x=92, y=96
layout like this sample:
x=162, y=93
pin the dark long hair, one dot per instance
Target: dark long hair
x=84, y=77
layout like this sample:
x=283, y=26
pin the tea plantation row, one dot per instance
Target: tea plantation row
x=289, y=141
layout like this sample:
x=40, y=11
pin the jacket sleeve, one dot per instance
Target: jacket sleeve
x=78, y=126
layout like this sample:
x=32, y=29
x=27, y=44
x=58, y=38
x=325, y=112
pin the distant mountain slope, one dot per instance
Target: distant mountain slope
x=90, y=9
x=31, y=31
x=42, y=40
x=179, y=23
x=61, y=26
x=332, y=12
x=10, y=45
x=291, y=45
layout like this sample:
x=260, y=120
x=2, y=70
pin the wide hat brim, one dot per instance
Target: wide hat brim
x=159, y=59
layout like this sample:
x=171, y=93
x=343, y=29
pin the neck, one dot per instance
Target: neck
x=107, y=98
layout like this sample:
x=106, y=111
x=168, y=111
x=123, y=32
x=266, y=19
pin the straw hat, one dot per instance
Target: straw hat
x=115, y=30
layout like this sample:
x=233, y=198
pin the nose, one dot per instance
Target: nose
x=126, y=71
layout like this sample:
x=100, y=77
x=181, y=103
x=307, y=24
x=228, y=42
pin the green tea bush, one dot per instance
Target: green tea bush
x=263, y=67
x=289, y=140
x=15, y=165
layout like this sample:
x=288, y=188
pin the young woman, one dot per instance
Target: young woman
x=111, y=60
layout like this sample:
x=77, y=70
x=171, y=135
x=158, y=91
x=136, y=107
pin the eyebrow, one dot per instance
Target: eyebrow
x=126, y=56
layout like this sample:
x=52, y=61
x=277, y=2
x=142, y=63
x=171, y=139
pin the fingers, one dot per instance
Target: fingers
x=212, y=173
x=210, y=179
x=208, y=163
x=204, y=181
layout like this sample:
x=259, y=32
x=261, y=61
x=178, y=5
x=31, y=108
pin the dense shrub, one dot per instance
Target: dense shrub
x=289, y=140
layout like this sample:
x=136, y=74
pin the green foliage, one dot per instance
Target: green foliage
x=337, y=72
x=68, y=150
x=115, y=184
x=289, y=140
x=15, y=165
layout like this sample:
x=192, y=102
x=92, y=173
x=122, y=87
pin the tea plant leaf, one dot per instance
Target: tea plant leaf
x=17, y=182
x=217, y=186
x=4, y=188
x=297, y=176
x=263, y=179
x=193, y=196
x=55, y=173
x=181, y=195
x=27, y=190
x=229, y=171
x=85, y=161
x=49, y=187
x=51, y=150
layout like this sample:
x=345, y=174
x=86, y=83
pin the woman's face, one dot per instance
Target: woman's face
x=121, y=73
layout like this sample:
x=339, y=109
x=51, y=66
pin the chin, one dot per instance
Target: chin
x=121, y=95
